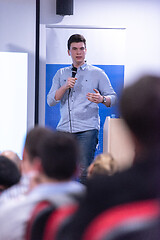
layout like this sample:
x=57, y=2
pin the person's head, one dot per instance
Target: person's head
x=103, y=163
x=9, y=173
x=31, y=146
x=76, y=38
x=77, y=49
x=14, y=157
x=140, y=108
x=55, y=152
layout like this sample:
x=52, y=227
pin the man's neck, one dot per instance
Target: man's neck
x=78, y=65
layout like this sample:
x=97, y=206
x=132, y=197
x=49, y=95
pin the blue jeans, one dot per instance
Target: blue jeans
x=88, y=141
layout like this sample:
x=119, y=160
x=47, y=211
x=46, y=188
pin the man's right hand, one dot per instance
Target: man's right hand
x=70, y=82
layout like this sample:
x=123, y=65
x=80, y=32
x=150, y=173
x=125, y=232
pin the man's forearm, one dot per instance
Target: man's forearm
x=60, y=92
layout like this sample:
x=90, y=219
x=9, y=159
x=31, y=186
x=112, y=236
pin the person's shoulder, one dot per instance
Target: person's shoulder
x=14, y=215
x=92, y=67
x=104, y=184
x=16, y=190
x=10, y=208
x=95, y=69
x=77, y=187
x=64, y=69
x=128, y=184
x=103, y=180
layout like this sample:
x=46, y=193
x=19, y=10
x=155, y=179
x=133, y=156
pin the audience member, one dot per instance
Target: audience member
x=9, y=173
x=140, y=108
x=14, y=157
x=52, y=158
x=103, y=163
x=20, y=189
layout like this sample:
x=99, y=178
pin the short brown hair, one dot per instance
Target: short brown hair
x=57, y=151
x=140, y=108
x=76, y=38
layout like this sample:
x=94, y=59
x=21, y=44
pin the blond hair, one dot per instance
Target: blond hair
x=103, y=163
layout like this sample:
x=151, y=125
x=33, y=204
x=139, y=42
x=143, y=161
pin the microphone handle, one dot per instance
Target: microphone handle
x=73, y=76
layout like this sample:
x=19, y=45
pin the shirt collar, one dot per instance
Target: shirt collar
x=81, y=67
x=84, y=66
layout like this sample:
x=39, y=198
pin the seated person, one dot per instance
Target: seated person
x=14, y=157
x=20, y=189
x=103, y=163
x=9, y=173
x=52, y=158
x=140, y=109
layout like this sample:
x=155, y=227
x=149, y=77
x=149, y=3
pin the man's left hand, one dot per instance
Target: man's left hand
x=95, y=97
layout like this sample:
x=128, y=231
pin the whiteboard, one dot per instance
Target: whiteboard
x=13, y=101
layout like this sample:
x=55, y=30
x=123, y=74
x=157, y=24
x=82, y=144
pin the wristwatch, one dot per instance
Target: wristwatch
x=104, y=99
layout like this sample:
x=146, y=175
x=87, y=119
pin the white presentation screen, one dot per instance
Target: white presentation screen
x=13, y=100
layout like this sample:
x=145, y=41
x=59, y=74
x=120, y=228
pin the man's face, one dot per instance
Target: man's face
x=77, y=52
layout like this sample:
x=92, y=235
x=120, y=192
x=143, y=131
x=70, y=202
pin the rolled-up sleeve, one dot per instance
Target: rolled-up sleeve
x=113, y=98
x=106, y=88
x=55, y=85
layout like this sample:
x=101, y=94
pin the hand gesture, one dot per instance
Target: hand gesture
x=95, y=97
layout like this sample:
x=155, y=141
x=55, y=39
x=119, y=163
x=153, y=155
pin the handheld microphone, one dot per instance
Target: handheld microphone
x=74, y=71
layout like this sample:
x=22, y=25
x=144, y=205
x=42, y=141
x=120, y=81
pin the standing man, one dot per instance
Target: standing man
x=80, y=88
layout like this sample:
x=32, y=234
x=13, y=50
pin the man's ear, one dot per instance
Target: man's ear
x=25, y=163
x=69, y=53
x=37, y=164
x=24, y=154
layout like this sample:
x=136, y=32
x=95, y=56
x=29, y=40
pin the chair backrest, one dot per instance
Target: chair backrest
x=134, y=216
x=46, y=219
x=56, y=219
x=43, y=206
x=143, y=230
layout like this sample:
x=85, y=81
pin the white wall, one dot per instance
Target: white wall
x=17, y=34
x=13, y=101
x=140, y=17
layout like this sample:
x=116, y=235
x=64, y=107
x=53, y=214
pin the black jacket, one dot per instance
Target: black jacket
x=140, y=182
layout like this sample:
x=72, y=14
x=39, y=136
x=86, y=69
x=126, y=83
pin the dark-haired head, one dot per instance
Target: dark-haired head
x=58, y=152
x=59, y=155
x=76, y=38
x=33, y=139
x=140, y=108
x=9, y=173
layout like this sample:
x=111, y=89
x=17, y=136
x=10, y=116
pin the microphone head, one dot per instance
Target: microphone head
x=74, y=71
